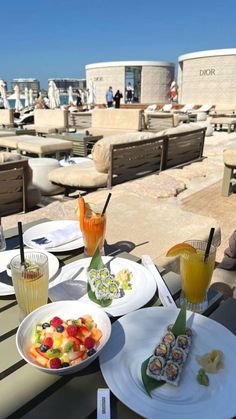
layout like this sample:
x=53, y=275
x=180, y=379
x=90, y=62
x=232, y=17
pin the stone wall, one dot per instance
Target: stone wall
x=103, y=77
x=155, y=84
x=208, y=80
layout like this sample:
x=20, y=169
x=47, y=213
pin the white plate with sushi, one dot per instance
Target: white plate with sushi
x=72, y=283
x=133, y=339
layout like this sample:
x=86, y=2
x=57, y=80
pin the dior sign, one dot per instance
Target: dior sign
x=208, y=72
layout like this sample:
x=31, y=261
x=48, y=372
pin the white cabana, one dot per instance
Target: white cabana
x=26, y=97
x=70, y=96
x=53, y=95
x=18, y=104
x=3, y=93
x=31, y=99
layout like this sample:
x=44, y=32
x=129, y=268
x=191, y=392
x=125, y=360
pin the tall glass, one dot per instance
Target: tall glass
x=196, y=275
x=94, y=229
x=2, y=239
x=30, y=281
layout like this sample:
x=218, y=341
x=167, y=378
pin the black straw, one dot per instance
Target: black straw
x=212, y=231
x=22, y=255
x=106, y=203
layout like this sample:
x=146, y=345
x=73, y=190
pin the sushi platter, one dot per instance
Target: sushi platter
x=145, y=332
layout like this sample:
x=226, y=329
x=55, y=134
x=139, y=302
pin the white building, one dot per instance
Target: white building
x=150, y=79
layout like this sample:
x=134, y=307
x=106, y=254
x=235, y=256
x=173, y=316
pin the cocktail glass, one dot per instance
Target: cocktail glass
x=196, y=275
x=93, y=230
x=30, y=281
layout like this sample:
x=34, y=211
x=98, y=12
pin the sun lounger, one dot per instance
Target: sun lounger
x=10, y=142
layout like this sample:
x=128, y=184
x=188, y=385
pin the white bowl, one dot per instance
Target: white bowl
x=66, y=310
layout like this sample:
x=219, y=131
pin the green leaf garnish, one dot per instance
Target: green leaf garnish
x=96, y=261
x=92, y=296
x=179, y=328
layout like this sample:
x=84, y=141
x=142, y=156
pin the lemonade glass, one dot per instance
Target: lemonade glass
x=30, y=281
x=196, y=275
x=93, y=230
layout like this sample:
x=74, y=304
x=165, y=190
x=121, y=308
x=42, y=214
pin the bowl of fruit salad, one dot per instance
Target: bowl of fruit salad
x=63, y=337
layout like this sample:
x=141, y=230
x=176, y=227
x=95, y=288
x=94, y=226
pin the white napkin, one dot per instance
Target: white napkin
x=58, y=237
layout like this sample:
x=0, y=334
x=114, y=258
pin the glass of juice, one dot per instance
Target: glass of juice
x=196, y=275
x=93, y=230
x=30, y=281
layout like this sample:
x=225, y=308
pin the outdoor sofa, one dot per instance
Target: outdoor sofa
x=6, y=117
x=17, y=193
x=48, y=121
x=129, y=156
x=107, y=122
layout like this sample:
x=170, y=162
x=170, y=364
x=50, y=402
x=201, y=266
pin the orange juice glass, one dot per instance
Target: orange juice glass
x=94, y=228
x=196, y=275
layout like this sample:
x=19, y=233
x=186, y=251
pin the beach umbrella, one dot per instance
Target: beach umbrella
x=70, y=96
x=18, y=104
x=53, y=95
x=31, y=99
x=94, y=93
x=4, y=94
x=26, y=97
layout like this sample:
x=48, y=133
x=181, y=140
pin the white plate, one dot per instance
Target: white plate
x=41, y=230
x=9, y=254
x=143, y=285
x=132, y=340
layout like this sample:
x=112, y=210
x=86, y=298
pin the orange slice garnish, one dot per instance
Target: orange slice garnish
x=181, y=248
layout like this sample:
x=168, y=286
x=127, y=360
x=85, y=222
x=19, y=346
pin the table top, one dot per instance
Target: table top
x=27, y=392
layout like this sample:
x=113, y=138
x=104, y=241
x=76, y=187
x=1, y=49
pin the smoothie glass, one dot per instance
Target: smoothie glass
x=196, y=275
x=30, y=281
x=93, y=230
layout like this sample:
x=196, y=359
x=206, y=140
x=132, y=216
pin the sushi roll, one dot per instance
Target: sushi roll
x=183, y=342
x=171, y=373
x=113, y=290
x=155, y=367
x=162, y=350
x=92, y=274
x=189, y=332
x=104, y=273
x=169, y=339
x=101, y=292
x=170, y=327
x=108, y=280
x=178, y=355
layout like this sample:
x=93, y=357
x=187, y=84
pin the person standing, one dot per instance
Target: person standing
x=129, y=93
x=1, y=103
x=118, y=96
x=109, y=97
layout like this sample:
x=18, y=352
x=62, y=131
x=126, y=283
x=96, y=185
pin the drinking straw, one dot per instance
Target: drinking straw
x=212, y=231
x=106, y=203
x=22, y=255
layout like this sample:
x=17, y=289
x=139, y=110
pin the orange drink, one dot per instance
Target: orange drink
x=93, y=227
x=196, y=275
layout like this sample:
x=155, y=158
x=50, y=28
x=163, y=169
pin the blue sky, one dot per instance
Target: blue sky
x=57, y=38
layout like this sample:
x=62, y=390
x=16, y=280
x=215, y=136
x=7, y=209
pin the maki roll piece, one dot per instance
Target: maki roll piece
x=108, y=280
x=104, y=273
x=101, y=292
x=169, y=339
x=178, y=355
x=155, y=367
x=92, y=274
x=183, y=342
x=189, y=332
x=171, y=373
x=113, y=290
x=170, y=327
x=162, y=350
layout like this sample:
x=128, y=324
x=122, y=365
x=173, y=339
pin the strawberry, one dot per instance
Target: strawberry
x=72, y=330
x=55, y=363
x=48, y=341
x=56, y=321
x=89, y=342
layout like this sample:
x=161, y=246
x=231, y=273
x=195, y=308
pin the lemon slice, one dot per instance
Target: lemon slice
x=180, y=248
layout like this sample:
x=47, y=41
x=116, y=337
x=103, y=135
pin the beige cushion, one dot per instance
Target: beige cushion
x=81, y=176
x=40, y=145
x=208, y=126
x=107, y=132
x=5, y=157
x=201, y=116
x=122, y=119
x=230, y=157
x=224, y=120
x=181, y=128
x=100, y=151
x=6, y=116
x=13, y=140
x=51, y=118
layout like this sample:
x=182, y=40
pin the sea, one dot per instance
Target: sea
x=63, y=101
